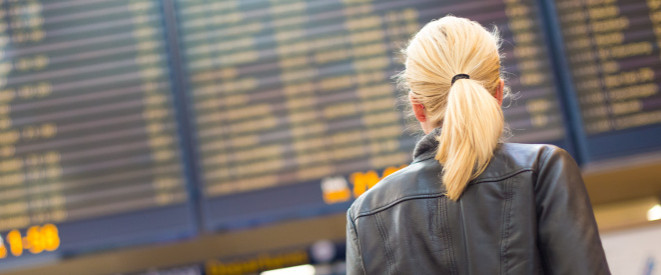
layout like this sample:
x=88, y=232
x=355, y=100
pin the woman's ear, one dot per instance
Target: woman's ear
x=419, y=111
x=499, y=91
x=418, y=108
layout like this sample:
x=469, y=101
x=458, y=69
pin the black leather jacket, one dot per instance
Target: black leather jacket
x=527, y=213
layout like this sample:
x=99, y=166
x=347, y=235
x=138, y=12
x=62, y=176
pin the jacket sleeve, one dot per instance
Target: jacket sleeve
x=354, y=258
x=568, y=237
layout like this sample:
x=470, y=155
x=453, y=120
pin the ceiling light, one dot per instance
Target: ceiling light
x=654, y=213
x=294, y=270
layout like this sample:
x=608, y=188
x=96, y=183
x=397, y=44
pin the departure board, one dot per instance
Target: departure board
x=612, y=48
x=133, y=121
x=290, y=95
x=89, y=153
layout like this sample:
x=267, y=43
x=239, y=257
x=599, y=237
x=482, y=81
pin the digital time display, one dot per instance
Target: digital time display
x=336, y=189
x=36, y=239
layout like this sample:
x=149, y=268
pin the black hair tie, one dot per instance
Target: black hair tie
x=459, y=76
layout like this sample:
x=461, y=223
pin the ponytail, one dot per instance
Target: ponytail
x=466, y=109
x=470, y=132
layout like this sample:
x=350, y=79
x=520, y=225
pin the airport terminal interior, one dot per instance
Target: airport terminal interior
x=229, y=137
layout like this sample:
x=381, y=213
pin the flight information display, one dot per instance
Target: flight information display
x=288, y=94
x=612, y=48
x=125, y=122
x=89, y=153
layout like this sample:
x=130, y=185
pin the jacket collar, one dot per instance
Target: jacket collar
x=427, y=146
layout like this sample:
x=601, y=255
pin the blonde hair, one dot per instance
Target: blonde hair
x=470, y=115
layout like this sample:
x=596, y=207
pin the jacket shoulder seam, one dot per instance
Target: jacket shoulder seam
x=506, y=176
x=412, y=197
x=435, y=195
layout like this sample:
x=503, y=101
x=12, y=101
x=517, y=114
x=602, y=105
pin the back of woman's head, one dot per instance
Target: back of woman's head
x=468, y=111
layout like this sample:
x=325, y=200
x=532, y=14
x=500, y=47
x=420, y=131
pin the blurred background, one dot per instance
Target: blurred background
x=229, y=137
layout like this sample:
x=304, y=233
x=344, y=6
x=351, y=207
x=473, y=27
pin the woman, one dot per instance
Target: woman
x=468, y=204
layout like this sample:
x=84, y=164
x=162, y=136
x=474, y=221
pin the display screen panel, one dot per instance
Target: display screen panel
x=294, y=105
x=612, y=48
x=89, y=151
